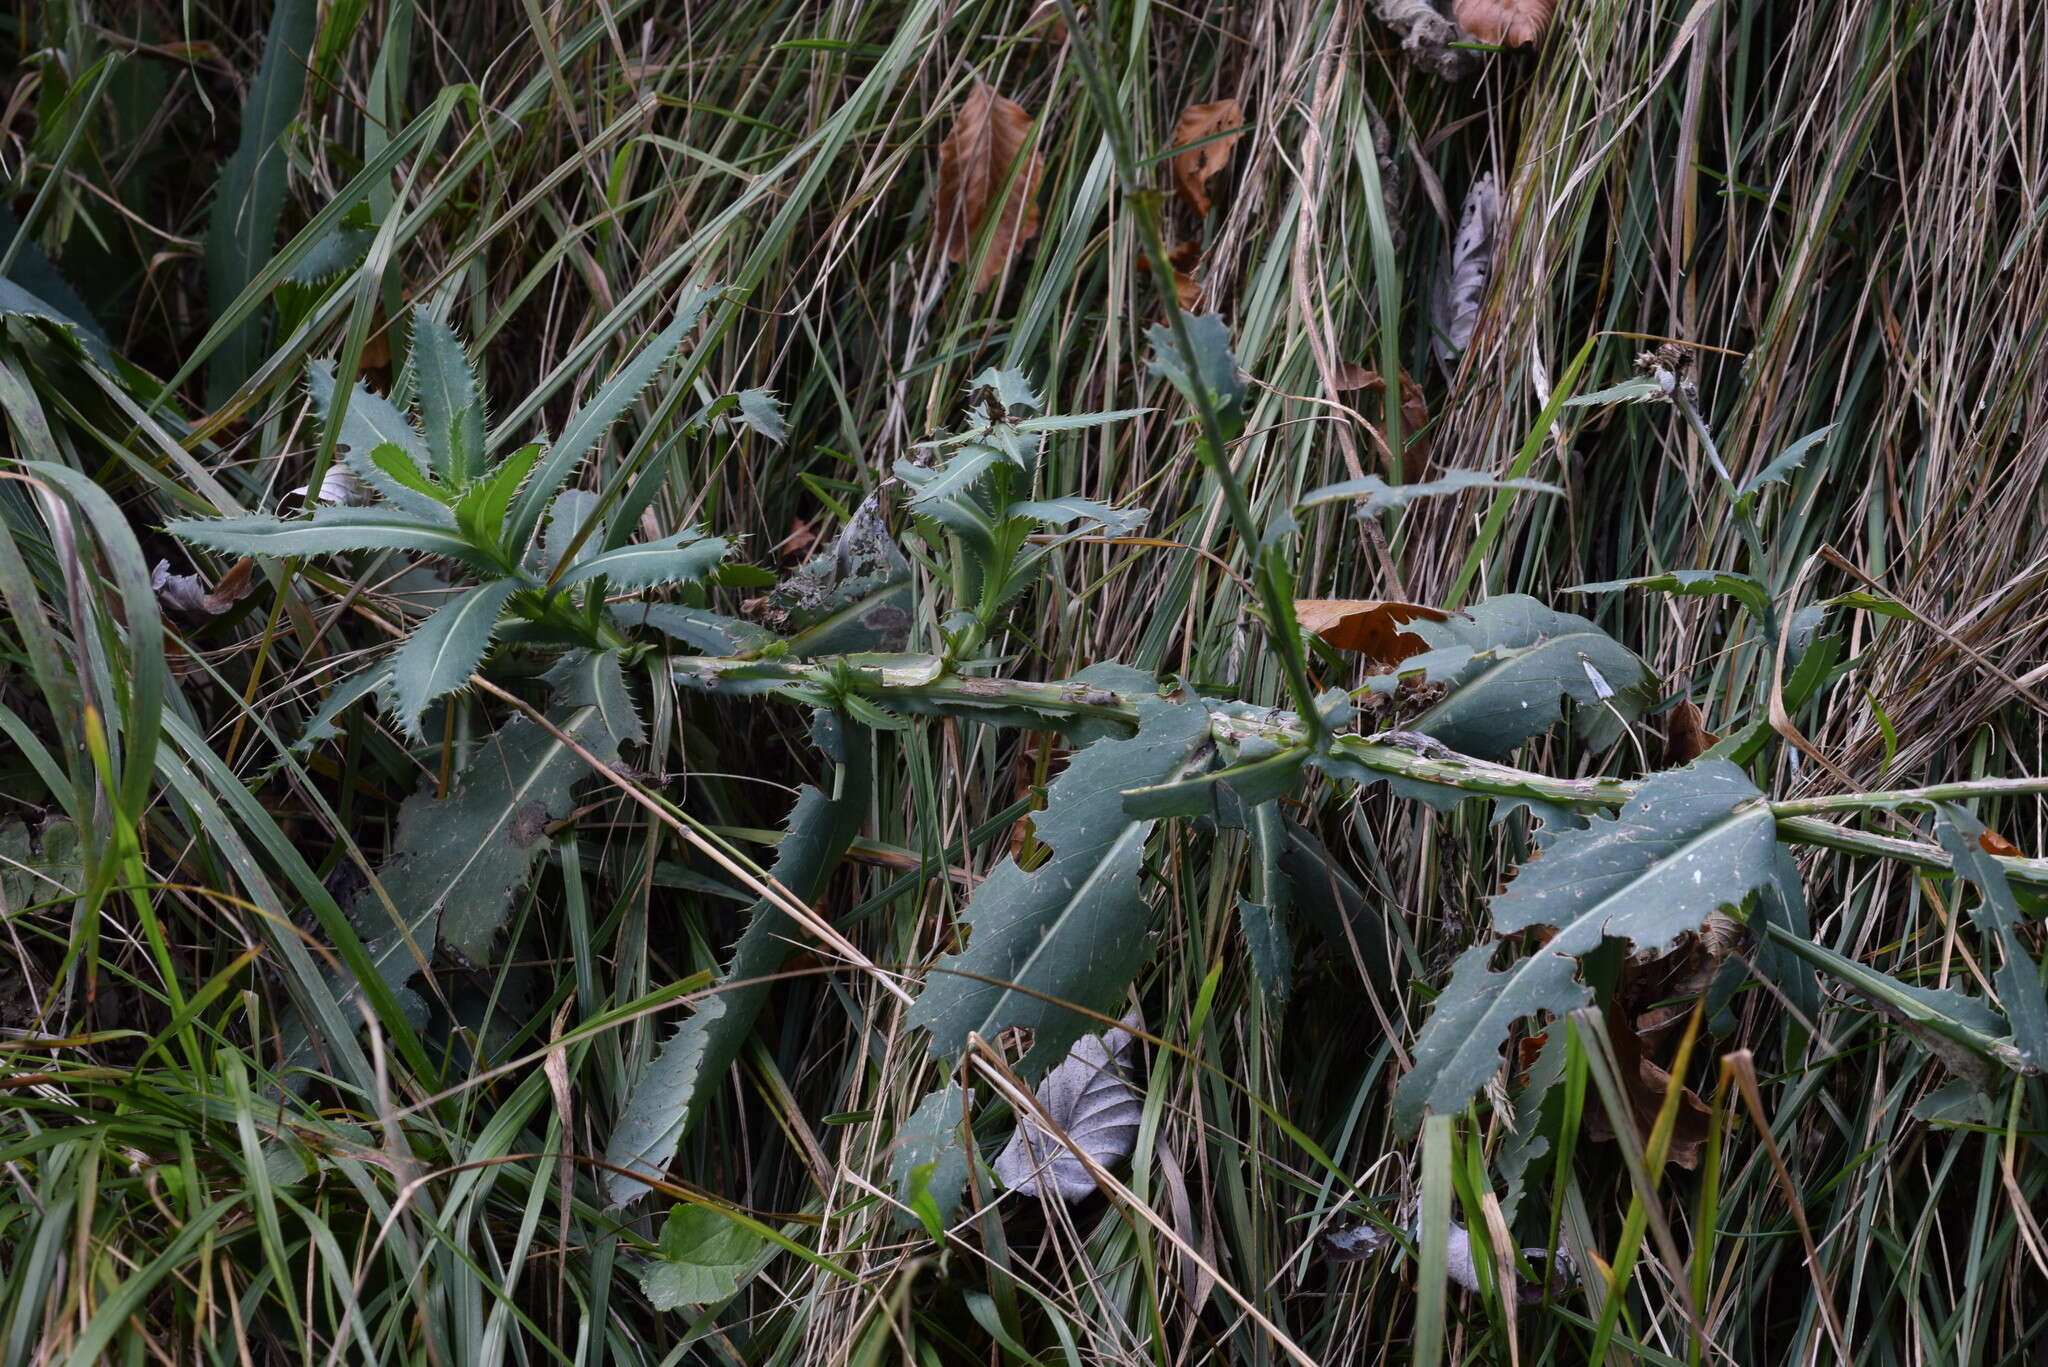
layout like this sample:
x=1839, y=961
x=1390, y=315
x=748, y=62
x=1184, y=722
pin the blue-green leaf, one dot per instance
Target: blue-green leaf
x=447, y=391
x=1380, y=495
x=445, y=650
x=668, y=1095
x=1688, y=842
x=369, y=423
x=1692, y=584
x=686, y=556
x=1459, y=1047
x=588, y=424
x=703, y=1255
x=1507, y=663
x=328, y=531
x=249, y=199
x=1066, y=938
x=760, y=411
x=1997, y=913
x=1779, y=471
x=1213, y=368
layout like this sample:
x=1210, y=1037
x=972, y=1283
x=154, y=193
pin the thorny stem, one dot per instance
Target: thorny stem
x=919, y=685
x=1278, y=606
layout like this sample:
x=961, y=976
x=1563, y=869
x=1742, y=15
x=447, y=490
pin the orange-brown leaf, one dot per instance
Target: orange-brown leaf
x=1352, y=377
x=985, y=172
x=1369, y=626
x=1994, y=843
x=232, y=587
x=1193, y=168
x=1505, y=23
x=1414, y=404
x=1686, y=736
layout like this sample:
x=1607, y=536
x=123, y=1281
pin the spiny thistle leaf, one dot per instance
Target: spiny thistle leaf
x=1071, y=933
x=1997, y=913
x=688, y=555
x=1692, y=584
x=447, y=390
x=445, y=650
x=1459, y=1047
x=666, y=1099
x=587, y=425
x=328, y=531
x=1689, y=842
x=1213, y=367
x=929, y=1163
x=370, y=422
x=1507, y=662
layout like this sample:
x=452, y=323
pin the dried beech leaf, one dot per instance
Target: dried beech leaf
x=1193, y=168
x=1092, y=1102
x=1686, y=736
x=1505, y=23
x=1647, y=1082
x=185, y=594
x=1414, y=404
x=1369, y=626
x=1352, y=377
x=979, y=177
x=1993, y=843
x=1455, y=309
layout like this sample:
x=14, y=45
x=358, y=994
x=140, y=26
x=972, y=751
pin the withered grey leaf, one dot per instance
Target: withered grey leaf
x=1427, y=35
x=1455, y=309
x=1091, y=1100
x=1360, y=1242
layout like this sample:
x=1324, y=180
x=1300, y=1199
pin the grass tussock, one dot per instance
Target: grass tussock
x=219, y=1145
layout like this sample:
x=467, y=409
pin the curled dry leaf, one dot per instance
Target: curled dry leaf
x=1686, y=736
x=1505, y=23
x=1652, y=1000
x=184, y=593
x=1183, y=258
x=1455, y=309
x=1193, y=168
x=1092, y=1102
x=1414, y=403
x=1369, y=626
x=1427, y=35
x=980, y=176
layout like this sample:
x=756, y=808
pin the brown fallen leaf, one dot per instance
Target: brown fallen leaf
x=184, y=593
x=1352, y=377
x=1414, y=403
x=1658, y=992
x=1994, y=843
x=1183, y=258
x=980, y=176
x=1505, y=23
x=1369, y=626
x=1686, y=736
x=1193, y=168
x=1647, y=1083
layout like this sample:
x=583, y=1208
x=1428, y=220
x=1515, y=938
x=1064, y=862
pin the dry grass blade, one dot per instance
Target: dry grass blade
x=986, y=173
